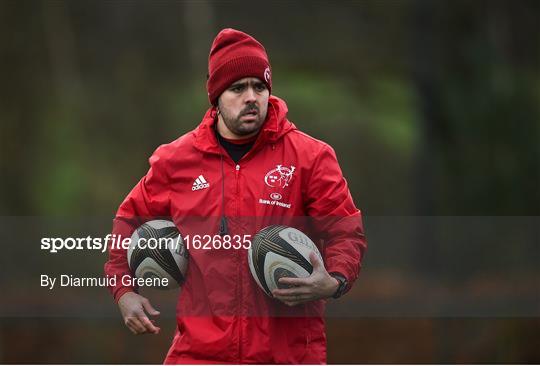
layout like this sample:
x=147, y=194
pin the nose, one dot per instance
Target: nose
x=249, y=96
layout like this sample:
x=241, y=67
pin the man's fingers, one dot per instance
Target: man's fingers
x=293, y=303
x=149, y=308
x=293, y=298
x=287, y=293
x=128, y=325
x=294, y=281
x=135, y=324
x=134, y=309
x=141, y=323
x=132, y=329
x=296, y=291
x=149, y=327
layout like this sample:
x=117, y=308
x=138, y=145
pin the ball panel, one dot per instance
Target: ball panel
x=275, y=262
x=280, y=251
x=150, y=269
x=169, y=261
x=280, y=246
x=302, y=243
x=280, y=273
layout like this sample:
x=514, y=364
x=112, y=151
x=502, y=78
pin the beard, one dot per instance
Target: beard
x=239, y=127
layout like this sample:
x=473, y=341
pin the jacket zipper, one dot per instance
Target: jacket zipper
x=225, y=155
x=239, y=256
x=237, y=172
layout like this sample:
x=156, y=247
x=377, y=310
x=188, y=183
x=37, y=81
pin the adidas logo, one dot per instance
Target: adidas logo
x=200, y=183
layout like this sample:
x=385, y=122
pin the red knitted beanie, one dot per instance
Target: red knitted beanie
x=235, y=55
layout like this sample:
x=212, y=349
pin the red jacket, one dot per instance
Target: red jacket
x=222, y=314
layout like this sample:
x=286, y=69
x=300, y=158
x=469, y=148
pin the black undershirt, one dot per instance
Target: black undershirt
x=235, y=151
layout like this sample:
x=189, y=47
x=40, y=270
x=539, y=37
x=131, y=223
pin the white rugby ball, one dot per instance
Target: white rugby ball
x=157, y=250
x=280, y=251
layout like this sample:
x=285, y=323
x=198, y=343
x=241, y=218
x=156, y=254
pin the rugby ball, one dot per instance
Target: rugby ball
x=280, y=251
x=157, y=250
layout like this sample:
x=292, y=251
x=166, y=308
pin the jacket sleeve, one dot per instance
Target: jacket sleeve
x=336, y=219
x=147, y=200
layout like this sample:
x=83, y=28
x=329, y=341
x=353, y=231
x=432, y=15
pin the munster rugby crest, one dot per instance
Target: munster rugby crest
x=279, y=177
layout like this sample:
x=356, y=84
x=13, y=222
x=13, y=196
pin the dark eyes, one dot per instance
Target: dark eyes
x=259, y=87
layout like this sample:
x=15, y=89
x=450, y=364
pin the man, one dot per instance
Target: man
x=247, y=153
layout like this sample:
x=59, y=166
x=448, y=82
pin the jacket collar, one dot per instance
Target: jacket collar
x=275, y=127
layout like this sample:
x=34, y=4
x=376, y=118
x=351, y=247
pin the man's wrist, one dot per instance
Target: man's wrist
x=121, y=292
x=334, y=287
x=342, y=285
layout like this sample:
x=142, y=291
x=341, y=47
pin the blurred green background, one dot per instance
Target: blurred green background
x=433, y=108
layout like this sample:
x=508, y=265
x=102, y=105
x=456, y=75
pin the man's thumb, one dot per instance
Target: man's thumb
x=315, y=261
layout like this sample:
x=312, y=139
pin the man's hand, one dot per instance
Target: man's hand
x=319, y=285
x=134, y=308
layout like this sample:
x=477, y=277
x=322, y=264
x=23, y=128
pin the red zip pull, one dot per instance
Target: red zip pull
x=237, y=168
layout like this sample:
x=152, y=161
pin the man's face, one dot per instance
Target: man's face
x=243, y=106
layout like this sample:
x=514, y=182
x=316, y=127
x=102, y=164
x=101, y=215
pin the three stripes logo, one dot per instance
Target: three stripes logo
x=200, y=183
